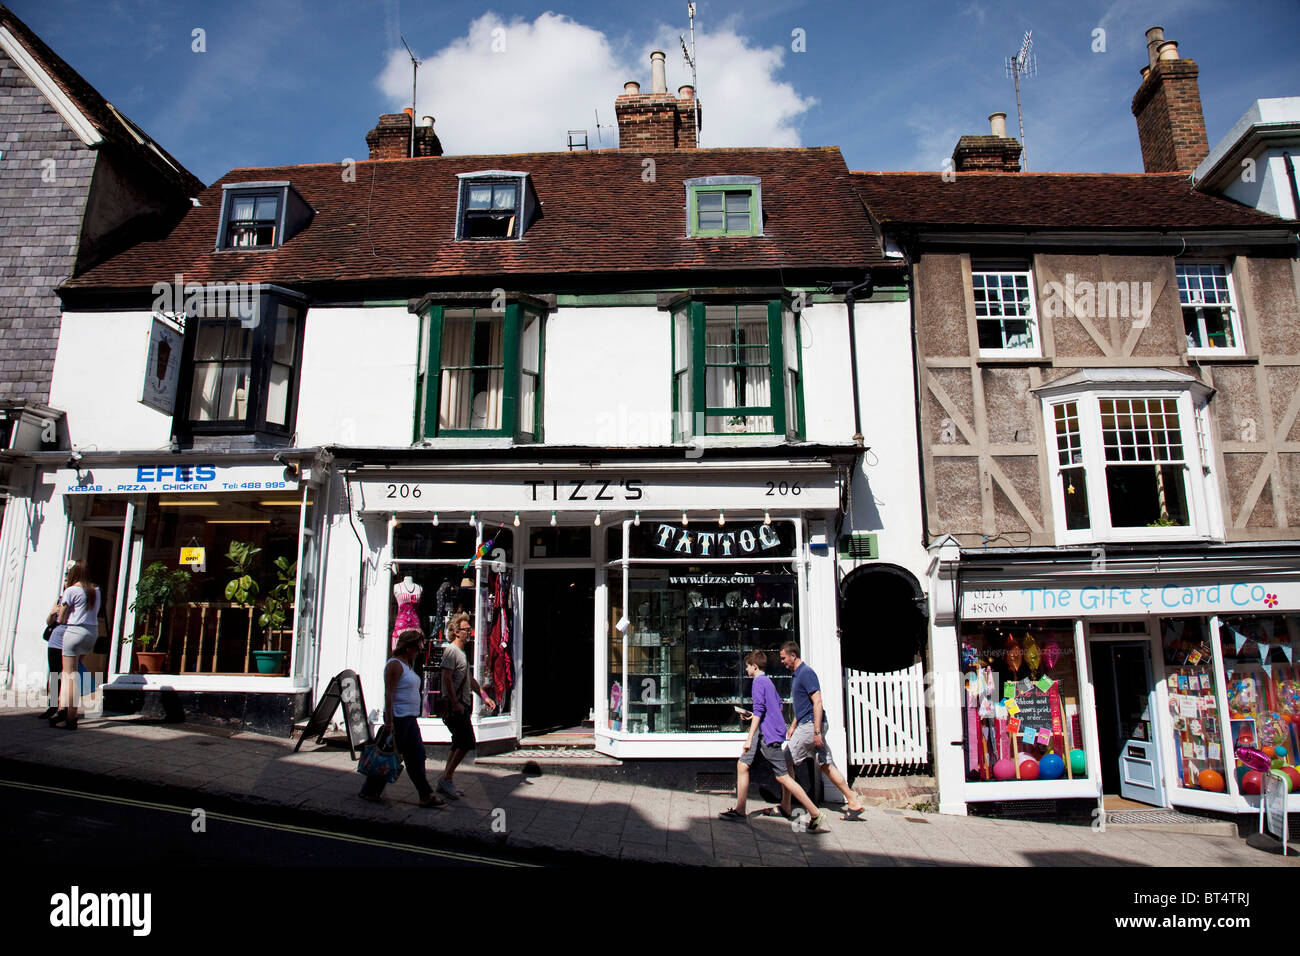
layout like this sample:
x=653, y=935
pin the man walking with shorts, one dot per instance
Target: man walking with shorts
x=805, y=735
x=766, y=733
x=457, y=682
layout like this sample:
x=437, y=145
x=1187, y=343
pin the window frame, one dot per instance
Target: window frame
x=696, y=372
x=233, y=192
x=428, y=379
x=261, y=362
x=1197, y=472
x=1026, y=269
x=496, y=177
x=1234, y=312
x=724, y=184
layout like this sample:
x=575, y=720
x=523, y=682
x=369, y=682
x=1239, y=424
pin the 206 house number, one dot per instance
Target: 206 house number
x=783, y=488
x=404, y=491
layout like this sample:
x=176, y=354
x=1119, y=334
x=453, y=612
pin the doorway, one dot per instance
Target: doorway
x=559, y=648
x=1126, y=727
x=102, y=554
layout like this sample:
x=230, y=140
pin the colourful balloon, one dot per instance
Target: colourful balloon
x=1280, y=751
x=1241, y=774
x=1004, y=769
x=1029, y=769
x=1294, y=776
x=1254, y=759
x=1211, y=780
x=1051, y=767
x=1078, y=761
x=1251, y=782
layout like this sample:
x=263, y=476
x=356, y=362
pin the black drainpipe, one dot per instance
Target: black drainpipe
x=866, y=286
x=1295, y=192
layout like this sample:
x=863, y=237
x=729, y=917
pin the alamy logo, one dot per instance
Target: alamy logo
x=1098, y=300
x=217, y=300
x=103, y=909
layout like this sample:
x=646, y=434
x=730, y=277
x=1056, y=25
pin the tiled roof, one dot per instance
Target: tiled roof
x=1051, y=201
x=395, y=219
x=111, y=123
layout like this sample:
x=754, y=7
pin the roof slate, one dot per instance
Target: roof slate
x=99, y=113
x=395, y=219
x=1051, y=201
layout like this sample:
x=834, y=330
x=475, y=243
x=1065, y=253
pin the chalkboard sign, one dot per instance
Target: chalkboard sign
x=344, y=688
x=1035, y=709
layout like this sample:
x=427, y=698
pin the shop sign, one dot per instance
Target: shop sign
x=162, y=367
x=612, y=492
x=752, y=542
x=197, y=557
x=173, y=479
x=1116, y=600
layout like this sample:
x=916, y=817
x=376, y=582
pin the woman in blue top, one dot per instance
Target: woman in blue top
x=401, y=713
x=766, y=737
x=79, y=612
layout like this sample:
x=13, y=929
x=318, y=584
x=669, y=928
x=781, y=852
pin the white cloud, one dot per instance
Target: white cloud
x=517, y=86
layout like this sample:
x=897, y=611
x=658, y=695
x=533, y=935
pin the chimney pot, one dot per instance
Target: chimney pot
x=1146, y=71
x=1155, y=36
x=1168, y=50
x=409, y=112
x=686, y=92
x=1167, y=107
x=998, y=124
x=631, y=88
x=426, y=121
x=658, y=78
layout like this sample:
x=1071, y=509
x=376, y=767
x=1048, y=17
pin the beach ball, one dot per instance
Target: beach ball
x=1251, y=782
x=1241, y=774
x=1029, y=769
x=1210, y=780
x=1051, y=767
x=1271, y=751
x=1294, y=776
x=1078, y=761
x=1004, y=769
x=1280, y=752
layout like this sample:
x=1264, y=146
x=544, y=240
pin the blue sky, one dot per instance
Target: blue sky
x=892, y=84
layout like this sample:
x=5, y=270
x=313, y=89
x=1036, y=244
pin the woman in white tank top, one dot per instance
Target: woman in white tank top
x=401, y=719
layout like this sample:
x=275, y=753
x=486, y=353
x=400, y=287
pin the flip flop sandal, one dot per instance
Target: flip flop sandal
x=853, y=814
x=731, y=814
x=773, y=812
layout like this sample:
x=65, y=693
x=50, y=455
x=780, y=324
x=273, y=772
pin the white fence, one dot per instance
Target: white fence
x=886, y=717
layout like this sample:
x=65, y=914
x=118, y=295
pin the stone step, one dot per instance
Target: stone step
x=549, y=757
x=898, y=792
x=1168, y=821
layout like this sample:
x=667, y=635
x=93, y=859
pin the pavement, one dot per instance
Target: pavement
x=598, y=818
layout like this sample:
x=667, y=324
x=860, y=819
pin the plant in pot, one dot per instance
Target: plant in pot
x=158, y=589
x=275, y=613
x=242, y=589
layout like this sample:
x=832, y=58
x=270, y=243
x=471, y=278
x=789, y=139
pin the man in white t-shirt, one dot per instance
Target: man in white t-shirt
x=458, y=690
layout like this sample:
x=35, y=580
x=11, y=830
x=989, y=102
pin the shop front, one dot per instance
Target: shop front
x=614, y=600
x=209, y=575
x=1131, y=680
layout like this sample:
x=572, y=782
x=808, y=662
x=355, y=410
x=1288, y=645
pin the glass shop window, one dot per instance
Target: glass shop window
x=1194, y=717
x=1263, y=688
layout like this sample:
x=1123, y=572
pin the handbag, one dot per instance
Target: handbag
x=379, y=759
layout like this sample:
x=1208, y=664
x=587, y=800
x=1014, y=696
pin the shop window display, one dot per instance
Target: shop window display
x=1193, y=704
x=435, y=576
x=209, y=632
x=1263, y=691
x=1021, y=715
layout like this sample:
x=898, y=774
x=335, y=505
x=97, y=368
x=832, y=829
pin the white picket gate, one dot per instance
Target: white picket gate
x=887, y=717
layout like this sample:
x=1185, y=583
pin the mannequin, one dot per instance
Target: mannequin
x=407, y=594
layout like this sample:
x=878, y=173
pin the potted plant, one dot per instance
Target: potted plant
x=158, y=589
x=242, y=589
x=737, y=423
x=275, y=612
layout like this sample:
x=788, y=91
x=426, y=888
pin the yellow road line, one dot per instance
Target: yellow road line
x=285, y=827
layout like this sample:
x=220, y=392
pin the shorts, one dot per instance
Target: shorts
x=801, y=746
x=78, y=640
x=774, y=754
x=462, y=731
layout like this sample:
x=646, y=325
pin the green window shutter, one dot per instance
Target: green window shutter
x=510, y=374
x=432, y=375
x=699, y=399
x=776, y=366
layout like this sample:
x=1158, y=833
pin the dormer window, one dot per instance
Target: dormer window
x=260, y=215
x=494, y=204
x=724, y=206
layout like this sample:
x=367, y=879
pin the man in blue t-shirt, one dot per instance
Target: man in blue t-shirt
x=805, y=735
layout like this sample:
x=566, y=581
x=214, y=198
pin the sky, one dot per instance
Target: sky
x=278, y=82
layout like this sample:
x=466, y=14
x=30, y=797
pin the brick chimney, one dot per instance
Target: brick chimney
x=391, y=137
x=656, y=120
x=995, y=153
x=1167, y=105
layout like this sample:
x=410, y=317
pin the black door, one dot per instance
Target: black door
x=559, y=647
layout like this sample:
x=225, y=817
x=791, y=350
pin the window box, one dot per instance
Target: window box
x=495, y=204
x=480, y=371
x=1006, y=318
x=260, y=215
x=1210, y=319
x=1128, y=458
x=239, y=372
x=724, y=206
x=737, y=369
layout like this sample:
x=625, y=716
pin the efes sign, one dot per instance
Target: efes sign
x=173, y=479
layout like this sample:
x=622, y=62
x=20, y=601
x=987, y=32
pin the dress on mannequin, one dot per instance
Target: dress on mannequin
x=407, y=593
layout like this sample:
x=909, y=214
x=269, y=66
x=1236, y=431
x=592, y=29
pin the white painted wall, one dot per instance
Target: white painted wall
x=98, y=379
x=827, y=387
x=607, y=377
x=46, y=527
x=358, y=377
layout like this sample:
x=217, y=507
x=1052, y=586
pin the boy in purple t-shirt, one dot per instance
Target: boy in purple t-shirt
x=766, y=737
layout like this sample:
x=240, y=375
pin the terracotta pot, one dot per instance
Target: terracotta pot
x=151, y=662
